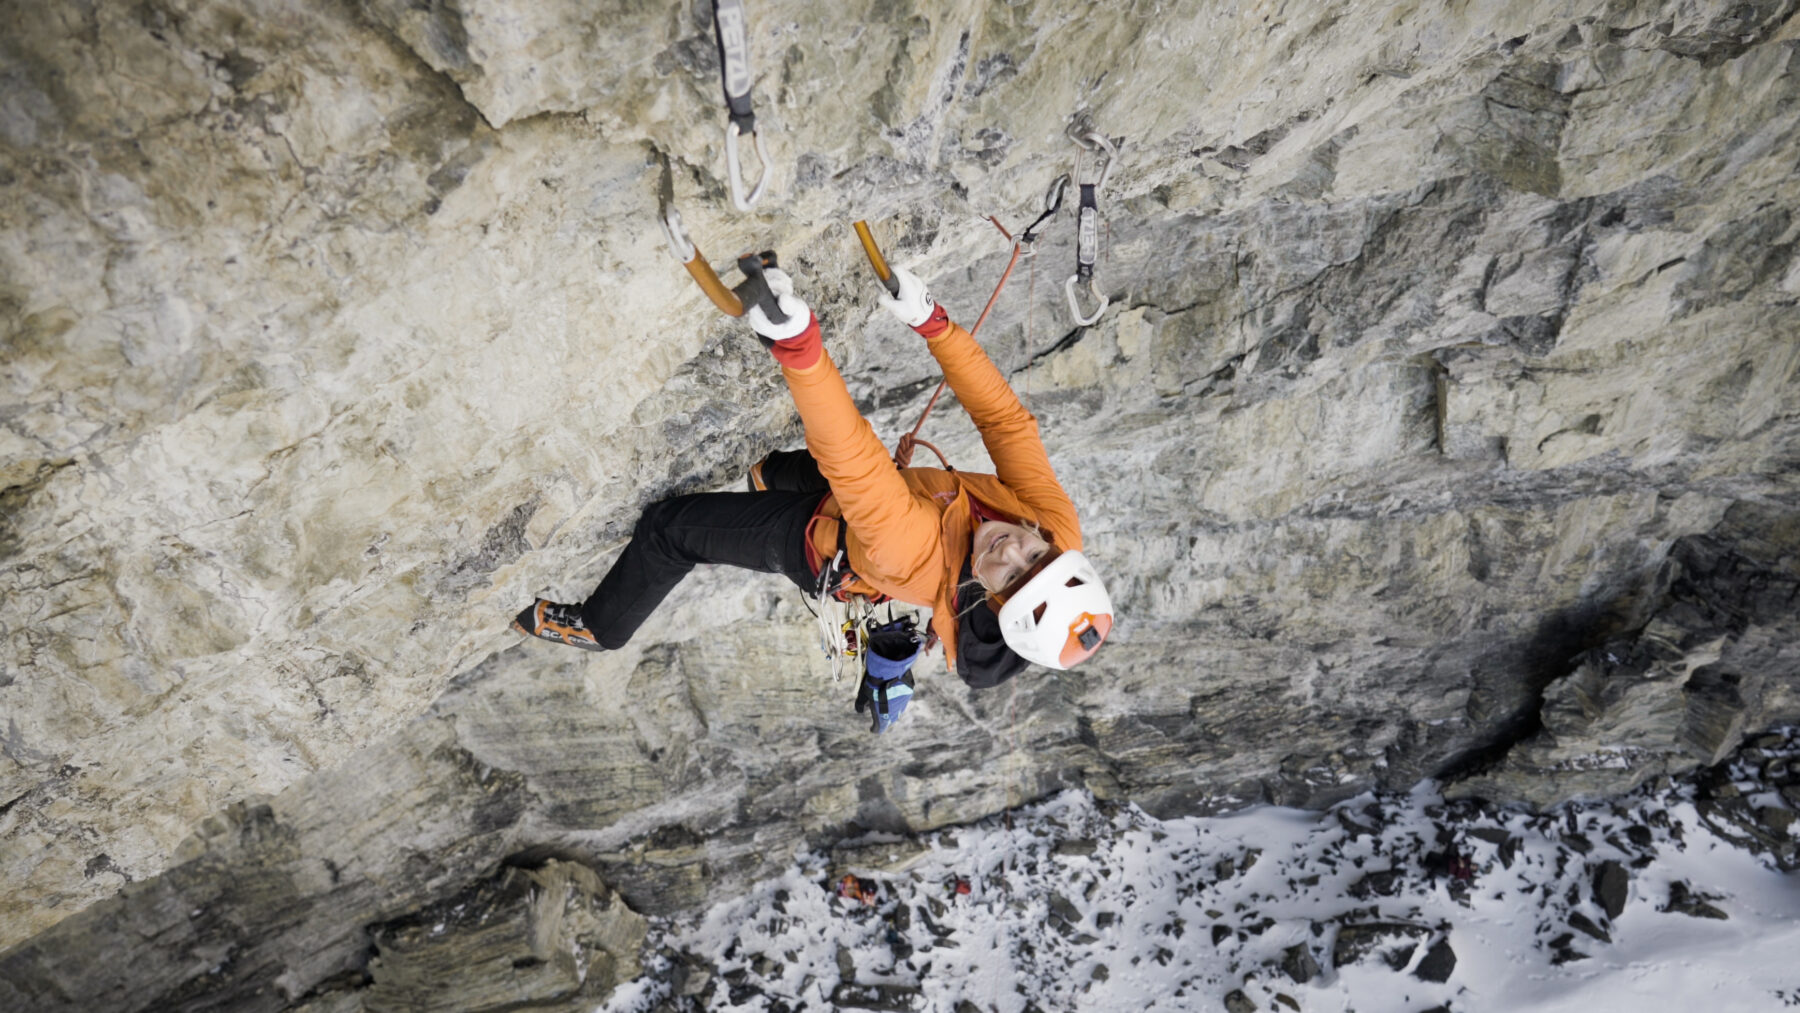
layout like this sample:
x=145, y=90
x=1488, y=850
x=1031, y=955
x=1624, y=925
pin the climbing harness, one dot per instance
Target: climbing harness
x=733, y=302
x=847, y=622
x=1087, y=235
x=732, y=30
x=844, y=620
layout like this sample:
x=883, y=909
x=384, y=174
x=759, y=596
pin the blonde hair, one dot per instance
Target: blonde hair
x=997, y=598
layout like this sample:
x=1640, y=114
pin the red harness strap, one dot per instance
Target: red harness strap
x=818, y=562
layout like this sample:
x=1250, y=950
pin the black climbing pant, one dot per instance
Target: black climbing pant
x=763, y=531
x=794, y=470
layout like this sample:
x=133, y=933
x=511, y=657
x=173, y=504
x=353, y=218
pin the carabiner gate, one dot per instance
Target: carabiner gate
x=1075, y=303
x=1094, y=140
x=734, y=169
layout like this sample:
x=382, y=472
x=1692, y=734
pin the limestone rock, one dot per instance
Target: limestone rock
x=1394, y=942
x=1612, y=885
x=1449, y=345
x=1683, y=900
x=891, y=856
x=1438, y=963
x=1679, y=693
x=532, y=938
x=1299, y=964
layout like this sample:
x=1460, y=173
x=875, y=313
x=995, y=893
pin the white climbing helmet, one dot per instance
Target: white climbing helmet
x=1060, y=616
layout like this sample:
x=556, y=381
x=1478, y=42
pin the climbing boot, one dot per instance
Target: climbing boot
x=753, y=482
x=548, y=620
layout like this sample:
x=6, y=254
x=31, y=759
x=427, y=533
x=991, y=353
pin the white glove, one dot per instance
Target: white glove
x=799, y=315
x=913, y=305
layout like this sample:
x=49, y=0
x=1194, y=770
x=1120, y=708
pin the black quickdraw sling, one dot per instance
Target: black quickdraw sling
x=1087, y=234
x=732, y=31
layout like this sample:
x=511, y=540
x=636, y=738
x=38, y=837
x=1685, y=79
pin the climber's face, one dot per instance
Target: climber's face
x=1002, y=553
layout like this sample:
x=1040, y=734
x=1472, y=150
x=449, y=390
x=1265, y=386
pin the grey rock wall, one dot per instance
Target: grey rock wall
x=1443, y=422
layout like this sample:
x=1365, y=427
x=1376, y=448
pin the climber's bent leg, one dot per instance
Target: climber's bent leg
x=763, y=531
x=793, y=470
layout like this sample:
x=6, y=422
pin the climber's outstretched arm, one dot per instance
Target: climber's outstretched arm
x=896, y=530
x=1009, y=432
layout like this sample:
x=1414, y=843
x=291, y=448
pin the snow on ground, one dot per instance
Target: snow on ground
x=1670, y=899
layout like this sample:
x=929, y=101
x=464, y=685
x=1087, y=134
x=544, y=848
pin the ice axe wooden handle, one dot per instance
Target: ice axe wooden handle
x=722, y=297
x=876, y=260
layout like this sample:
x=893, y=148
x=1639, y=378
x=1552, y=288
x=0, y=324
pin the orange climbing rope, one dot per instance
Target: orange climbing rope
x=903, y=450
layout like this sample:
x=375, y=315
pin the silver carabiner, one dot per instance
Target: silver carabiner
x=1094, y=140
x=732, y=32
x=1075, y=302
x=735, y=172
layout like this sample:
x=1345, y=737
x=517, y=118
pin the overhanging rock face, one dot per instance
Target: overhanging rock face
x=1446, y=401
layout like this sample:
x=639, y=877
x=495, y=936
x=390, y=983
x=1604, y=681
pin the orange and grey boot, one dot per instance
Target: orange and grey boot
x=754, y=480
x=548, y=620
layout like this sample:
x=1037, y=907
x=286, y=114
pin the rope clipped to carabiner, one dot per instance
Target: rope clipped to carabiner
x=732, y=30
x=1087, y=234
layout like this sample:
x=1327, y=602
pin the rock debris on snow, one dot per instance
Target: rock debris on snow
x=1388, y=901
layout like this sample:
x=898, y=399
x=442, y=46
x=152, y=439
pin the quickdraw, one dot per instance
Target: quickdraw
x=848, y=637
x=1087, y=235
x=732, y=30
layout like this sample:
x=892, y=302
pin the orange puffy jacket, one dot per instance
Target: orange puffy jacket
x=910, y=530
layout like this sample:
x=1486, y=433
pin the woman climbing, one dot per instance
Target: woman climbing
x=997, y=557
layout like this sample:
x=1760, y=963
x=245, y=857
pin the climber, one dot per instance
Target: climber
x=996, y=557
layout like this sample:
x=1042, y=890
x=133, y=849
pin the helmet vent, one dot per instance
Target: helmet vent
x=1060, y=615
